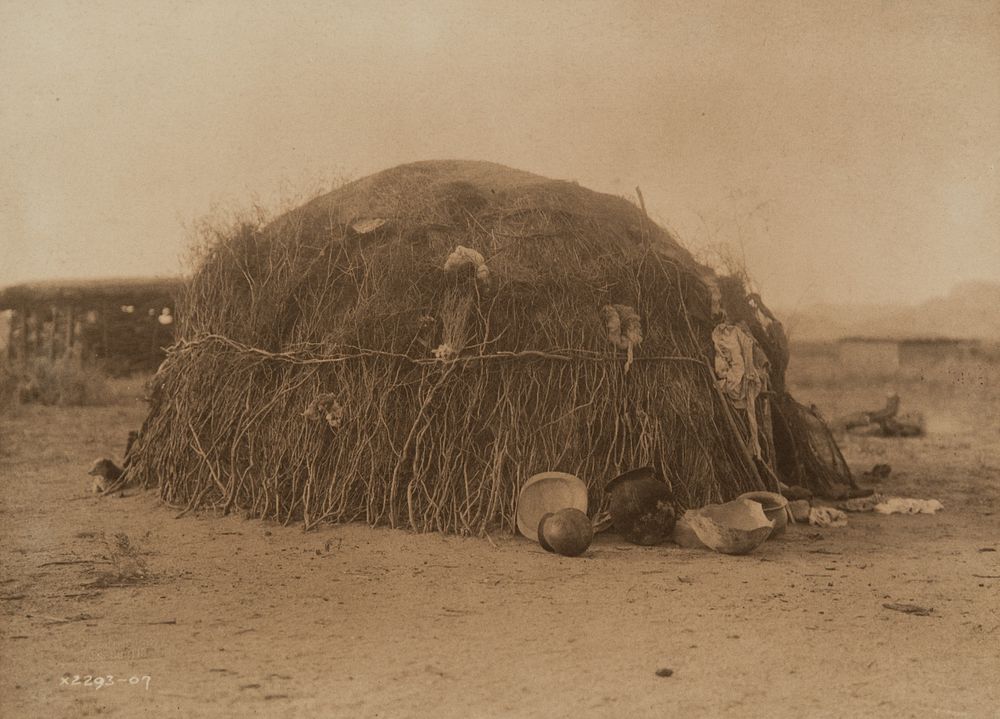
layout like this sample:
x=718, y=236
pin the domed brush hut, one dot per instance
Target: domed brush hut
x=408, y=349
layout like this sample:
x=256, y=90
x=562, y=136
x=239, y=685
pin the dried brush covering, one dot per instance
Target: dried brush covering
x=329, y=367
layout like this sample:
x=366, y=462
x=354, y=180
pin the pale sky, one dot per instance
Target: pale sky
x=847, y=151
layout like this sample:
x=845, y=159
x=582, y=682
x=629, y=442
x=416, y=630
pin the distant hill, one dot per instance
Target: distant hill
x=970, y=311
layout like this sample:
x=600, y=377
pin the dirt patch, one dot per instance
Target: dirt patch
x=218, y=616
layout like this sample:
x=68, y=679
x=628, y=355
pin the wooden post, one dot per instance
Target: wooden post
x=642, y=201
x=154, y=333
x=70, y=324
x=25, y=349
x=104, y=331
x=52, y=332
x=11, y=349
x=645, y=215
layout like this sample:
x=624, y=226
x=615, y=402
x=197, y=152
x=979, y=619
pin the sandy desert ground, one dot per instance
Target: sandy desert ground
x=203, y=616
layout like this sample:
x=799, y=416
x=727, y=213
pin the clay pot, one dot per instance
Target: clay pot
x=684, y=534
x=641, y=506
x=568, y=532
x=736, y=527
x=775, y=508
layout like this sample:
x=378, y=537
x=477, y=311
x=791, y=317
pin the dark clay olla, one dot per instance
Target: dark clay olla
x=642, y=508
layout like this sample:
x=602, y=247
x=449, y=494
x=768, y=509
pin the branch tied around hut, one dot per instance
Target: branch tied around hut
x=344, y=363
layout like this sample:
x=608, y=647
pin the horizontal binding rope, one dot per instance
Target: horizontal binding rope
x=309, y=357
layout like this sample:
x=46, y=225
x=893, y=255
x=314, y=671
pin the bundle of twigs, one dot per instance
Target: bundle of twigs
x=408, y=349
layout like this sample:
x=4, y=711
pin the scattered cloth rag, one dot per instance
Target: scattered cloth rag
x=861, y=504
x=907, y=505
x=827, y=517
x=624, y=329
x=367, y=225
x=463, y=256
x=741, y=369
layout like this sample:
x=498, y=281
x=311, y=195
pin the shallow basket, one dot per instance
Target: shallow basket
x=544, y=493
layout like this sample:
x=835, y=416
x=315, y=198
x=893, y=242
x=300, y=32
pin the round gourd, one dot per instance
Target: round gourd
x=567, y=531
x=541, y=535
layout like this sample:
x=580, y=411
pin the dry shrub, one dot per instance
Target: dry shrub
x=326, y=373
x=10, y=380
x=62, y=383
x=127, y=565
